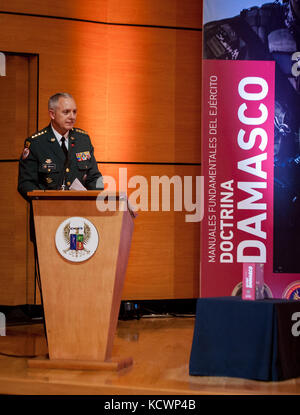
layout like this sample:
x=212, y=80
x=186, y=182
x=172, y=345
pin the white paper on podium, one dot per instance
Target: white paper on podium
x=76, y=185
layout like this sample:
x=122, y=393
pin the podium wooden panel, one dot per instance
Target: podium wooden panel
x=81, y=299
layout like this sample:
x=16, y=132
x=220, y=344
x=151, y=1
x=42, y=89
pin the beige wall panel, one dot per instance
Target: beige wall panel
x=131, y=84
x=13, y=242
x=17, y=106
x=154, y=94
x=76, y=9
x=33, y=93
x=165, y=253
x=72, y=57
x=22, y=105
x=187, y=119
x=8, y=110
x=13, y=106
x=178, y=13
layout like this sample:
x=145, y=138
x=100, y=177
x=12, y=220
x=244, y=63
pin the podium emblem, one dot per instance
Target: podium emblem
x=76, y=239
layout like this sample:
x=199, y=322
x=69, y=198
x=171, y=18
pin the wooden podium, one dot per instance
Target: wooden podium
x=81, y=297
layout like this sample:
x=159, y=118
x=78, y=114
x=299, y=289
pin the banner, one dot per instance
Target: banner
x=251, y=145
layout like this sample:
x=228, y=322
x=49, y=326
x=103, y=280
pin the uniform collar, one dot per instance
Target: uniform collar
x=53, y=138
x=58, y=135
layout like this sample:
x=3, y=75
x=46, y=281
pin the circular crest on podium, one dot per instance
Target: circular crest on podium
x=76, y=239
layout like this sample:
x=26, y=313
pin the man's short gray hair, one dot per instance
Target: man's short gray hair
x=52, y=103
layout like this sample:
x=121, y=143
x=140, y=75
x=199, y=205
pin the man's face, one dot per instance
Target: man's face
x=63, y=117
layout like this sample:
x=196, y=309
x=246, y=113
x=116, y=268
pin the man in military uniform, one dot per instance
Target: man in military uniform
x=272, y=32
x=58, y=154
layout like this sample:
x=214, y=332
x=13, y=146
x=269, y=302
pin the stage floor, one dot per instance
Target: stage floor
x=160, y=348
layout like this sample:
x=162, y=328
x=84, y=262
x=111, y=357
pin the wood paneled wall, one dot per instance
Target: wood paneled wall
x=18, y=114
x=169, y=13
x=134, y=68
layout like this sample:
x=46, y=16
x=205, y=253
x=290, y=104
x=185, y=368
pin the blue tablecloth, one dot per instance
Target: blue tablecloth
x=246, y=339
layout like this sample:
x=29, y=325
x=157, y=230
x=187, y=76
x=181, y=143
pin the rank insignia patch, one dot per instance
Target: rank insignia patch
x=25, y=153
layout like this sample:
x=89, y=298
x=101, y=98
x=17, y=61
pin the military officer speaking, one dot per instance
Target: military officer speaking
x=58, y=154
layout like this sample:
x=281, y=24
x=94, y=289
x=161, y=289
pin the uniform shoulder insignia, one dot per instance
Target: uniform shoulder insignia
x=79, y=130
x=35, y=135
